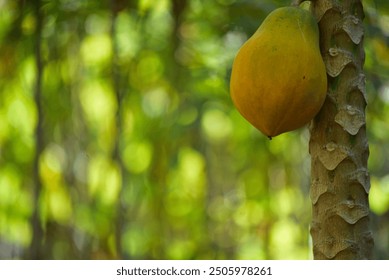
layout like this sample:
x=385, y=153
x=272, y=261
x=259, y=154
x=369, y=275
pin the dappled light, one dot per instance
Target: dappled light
x=143, y=155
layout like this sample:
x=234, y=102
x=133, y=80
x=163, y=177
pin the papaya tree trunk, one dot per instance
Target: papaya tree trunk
x=338, y=144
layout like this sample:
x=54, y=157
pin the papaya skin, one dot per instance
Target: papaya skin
x=278, y=80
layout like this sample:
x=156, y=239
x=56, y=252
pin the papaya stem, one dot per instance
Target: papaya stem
x=296, y=2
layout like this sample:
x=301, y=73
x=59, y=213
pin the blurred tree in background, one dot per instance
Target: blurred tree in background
x=118, y=138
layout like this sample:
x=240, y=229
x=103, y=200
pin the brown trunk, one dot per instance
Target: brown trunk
x=338, y=144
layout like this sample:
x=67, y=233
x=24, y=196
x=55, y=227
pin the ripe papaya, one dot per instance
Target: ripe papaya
x=278, y=80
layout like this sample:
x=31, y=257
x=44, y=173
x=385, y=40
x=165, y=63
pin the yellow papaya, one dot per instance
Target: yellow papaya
x=278, y=80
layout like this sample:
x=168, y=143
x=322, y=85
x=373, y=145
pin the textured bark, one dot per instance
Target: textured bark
x=338, y=145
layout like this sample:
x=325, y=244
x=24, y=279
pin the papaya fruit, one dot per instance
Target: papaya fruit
x=278, y=79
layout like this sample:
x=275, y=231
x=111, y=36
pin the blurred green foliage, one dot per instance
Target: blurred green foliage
x=143, y=154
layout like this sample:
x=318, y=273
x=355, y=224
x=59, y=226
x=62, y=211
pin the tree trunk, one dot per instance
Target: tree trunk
x=338, y=145
x=35, y=249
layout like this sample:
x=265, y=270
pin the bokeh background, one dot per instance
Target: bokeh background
x=140, y=153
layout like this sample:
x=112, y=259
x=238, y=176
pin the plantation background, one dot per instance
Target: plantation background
x=140, y=152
